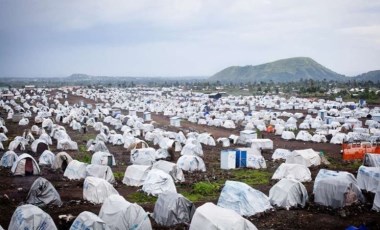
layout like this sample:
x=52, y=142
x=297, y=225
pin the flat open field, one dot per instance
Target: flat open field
x=13, y=190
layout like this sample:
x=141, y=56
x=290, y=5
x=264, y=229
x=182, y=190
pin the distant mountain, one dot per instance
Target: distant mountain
x=285, y=70
x=370, y=76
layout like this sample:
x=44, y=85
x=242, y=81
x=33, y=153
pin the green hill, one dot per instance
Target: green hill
x=285, y=70
x=370, y=76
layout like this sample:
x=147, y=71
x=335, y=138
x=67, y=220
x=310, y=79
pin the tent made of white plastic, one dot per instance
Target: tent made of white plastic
x=263, y=144
x=307, y=157
x=121, y=214
x=96, y=190
x=75, y=170
x=61, y=160
x=31, y=217
x=157, y=182
x=8, y=159
x=243, y=199
x=288, y=193
x=304, y=136
x=103, y=158
x=88, y=220
x=25, y=165
x=211, y=216
x=369, y=178
x=191, y=163
x=100, y=171
x=173, y=208
x=144, y=156
x=46, y=158
x=288, y=135
x=281, y=154
x=42, y=192
x=336, y=189
x=372, y=160
x=170, y=168
x=292, y=171
x=135, y=175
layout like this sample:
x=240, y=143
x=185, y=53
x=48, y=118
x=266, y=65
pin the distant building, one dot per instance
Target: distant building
x=7, y=96
x=30, y=87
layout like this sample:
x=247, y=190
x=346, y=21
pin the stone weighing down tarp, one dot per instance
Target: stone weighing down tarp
x=243, y=199
x=173, y=208
x=211, y=216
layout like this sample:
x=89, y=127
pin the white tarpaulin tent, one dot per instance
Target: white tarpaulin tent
x=75, y=170
x=8, y=159
x=211, y=216
x=31, y=217
x=25, y=165
x=144, y=156
x=173, y=208
x=372, y=160
x=135, y=175
x=157, y=182
x=118, y=213
x=243, y=199
x=170, y=168
x=304, y=136
x=100, y=171
x=88, y=220
x=288, y=135
x=61, y=160
x=42, y=192
x=103, y=158
x=96, y=190
x=262, y=144
x=336, y=189
x=292, y=171
x=281, y=154
x=288, y=193
x=46, y=158
x=369, y=178
x=191, y=163
x=307, y=157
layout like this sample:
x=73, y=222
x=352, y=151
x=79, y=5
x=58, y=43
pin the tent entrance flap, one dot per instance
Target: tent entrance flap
x=28, y=167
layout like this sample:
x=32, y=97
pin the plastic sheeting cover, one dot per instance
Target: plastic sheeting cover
x=288, y=193
x=173, y=208
x=120, y=214
x=88, y=221
x=31, y=217
x=42, y=192
x=211, y=216
x=243, y=199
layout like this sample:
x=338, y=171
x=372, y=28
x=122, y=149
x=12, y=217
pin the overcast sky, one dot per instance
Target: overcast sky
x=184, y=37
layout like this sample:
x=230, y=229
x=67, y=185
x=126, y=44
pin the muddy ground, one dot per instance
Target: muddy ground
x=13, y=190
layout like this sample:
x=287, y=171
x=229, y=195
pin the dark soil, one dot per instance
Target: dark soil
x=13, y=190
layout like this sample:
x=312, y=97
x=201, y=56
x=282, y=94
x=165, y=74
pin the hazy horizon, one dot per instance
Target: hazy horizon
x=171, y=38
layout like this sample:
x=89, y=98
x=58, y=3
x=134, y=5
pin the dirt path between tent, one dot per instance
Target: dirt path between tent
x=13, y=190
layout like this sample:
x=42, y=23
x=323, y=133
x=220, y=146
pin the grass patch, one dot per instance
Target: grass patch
x=203, y=191
x=205, y=188
x=140, y=197
x=251, y=177
x=118, y=175
x=82, y=149
x=337, y=164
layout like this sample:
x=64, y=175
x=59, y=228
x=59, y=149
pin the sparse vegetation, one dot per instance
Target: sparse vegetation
x=252, y=177
x=118, y=175
x=141, y=197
